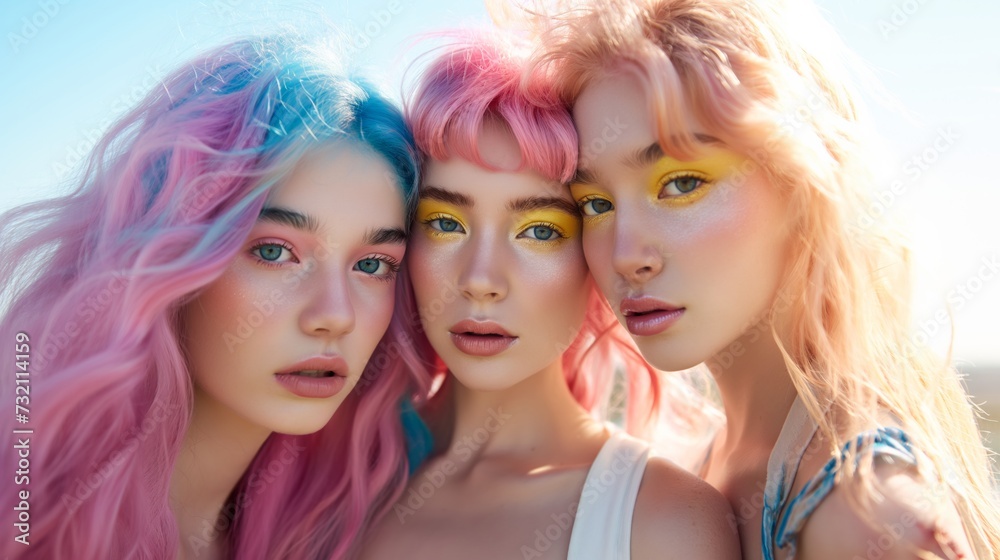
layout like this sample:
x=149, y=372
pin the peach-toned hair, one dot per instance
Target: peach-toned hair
x=768, y=78
x=475, y=79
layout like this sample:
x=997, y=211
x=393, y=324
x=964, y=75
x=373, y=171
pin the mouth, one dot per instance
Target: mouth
x=312, y=373
x=648, y=316
x=319, y=377
x=481, y=338
x=480, y=328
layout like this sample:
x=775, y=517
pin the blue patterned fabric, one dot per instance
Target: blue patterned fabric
x=783, y=515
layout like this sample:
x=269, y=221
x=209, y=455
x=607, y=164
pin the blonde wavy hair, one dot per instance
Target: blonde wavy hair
x=771, y=79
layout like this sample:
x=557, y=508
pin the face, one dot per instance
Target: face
x=690, y=254
x=497, y=266
x=280, y=339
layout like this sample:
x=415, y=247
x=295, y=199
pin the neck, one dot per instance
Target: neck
x=217, y=449
x=537, y=418
x=756, y=390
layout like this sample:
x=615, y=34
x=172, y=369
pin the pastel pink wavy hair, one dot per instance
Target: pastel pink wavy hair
x=96, y=279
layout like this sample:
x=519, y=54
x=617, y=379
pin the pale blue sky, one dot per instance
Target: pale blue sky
x=68, y=67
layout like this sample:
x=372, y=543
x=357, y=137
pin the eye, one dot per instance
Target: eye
x=595, y=206
x=681, y=185
x=446, y=225
x=382, y=267
x=542, y=232
x=272, y=252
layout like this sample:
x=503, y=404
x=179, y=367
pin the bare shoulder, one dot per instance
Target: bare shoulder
x=908, y=516
x=678, y=515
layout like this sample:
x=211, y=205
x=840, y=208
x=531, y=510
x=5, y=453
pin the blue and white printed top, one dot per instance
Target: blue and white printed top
x=784, y=515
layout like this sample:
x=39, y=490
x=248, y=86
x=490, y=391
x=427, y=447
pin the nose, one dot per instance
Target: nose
x=638, y=255
x=482, y=278
x=329, y=311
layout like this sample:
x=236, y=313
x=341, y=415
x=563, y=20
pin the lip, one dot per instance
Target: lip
x=315, y=387
x=481, y=338
x=479, y=327
x=648, y=316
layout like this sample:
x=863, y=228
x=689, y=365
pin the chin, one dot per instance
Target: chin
x=479, y=378
x=670, y=357
x=303, y=421
x=299, y=428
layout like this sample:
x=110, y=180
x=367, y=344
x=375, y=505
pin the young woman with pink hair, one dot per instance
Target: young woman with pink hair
x=504, y=308
x=195, y=320
x=724, y=189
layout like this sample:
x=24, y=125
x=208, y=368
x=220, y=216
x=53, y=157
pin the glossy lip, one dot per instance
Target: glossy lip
x=481, y=338
x=648, y=316
x=479, y=327
x=315, y=387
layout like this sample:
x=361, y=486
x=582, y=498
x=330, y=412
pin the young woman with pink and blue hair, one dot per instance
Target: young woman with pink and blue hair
x=197, y=315
x=505, y=312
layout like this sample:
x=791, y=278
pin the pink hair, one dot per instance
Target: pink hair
x=96, y=279
x=481, y=77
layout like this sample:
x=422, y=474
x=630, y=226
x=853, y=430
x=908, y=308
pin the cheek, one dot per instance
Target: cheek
x=374, y=302
x=598, y=245
x=429, y=265
x=737, y=243
x=714, y=239
x=557, y=284
x=213, y=313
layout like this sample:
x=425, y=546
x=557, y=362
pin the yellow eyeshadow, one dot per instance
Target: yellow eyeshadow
x=712, y=168
x=425, y=208
x=718, y=166
x=687, y=198
x=567, y=224
x=580, y=190
x=580, y=193
x=430, y=210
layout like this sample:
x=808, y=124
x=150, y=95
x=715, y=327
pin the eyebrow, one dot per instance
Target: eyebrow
x=642, y=158
x=288, y=217
x=583, y=176
x=306, y=223
x=431, y=192
x=383, y=236
x=654, y=152
x=518, y=206
x=542, y=202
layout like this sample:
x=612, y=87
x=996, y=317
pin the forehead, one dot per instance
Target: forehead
x=340, y=179
x=613, y=117
x=499, y=149
x=618, y=131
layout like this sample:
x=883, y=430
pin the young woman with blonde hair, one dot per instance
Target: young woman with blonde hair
x=723, y=185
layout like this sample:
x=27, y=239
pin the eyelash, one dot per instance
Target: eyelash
x=560, y=234
x=391, y=262
x=272, y=264
x=681, y=176
x=436, y=217
x=582, y=203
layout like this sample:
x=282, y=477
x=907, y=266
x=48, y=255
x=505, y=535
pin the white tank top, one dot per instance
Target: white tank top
x=602, y=527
